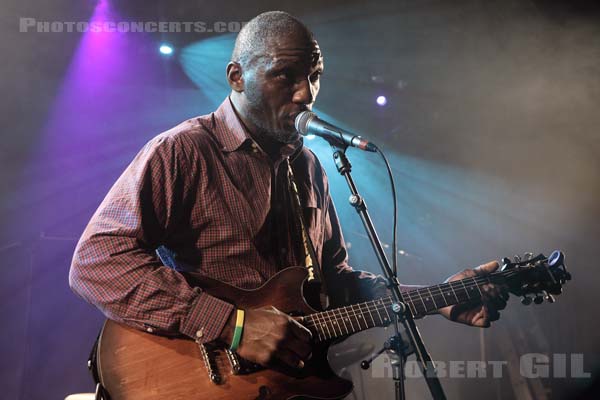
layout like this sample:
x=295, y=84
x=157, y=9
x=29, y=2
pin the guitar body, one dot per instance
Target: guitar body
x=136, y=365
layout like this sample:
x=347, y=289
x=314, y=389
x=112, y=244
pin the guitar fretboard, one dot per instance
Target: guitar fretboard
x=351, y=319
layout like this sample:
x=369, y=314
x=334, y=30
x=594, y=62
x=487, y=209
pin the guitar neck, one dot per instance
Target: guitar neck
x=358, y=317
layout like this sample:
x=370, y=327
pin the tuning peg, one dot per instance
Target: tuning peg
x=549, y=298
x=526, y=300
x=539, y=299
x=556, y=258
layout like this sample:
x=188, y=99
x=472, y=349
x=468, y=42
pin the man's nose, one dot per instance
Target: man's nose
x=304, y=93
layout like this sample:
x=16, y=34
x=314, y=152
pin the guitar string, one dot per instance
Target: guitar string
x=411, y=297
x=331, y=317
x=340, y=320
x=363, y=308
x=317, y=319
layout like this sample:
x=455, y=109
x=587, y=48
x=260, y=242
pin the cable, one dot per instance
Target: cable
x=395, y=219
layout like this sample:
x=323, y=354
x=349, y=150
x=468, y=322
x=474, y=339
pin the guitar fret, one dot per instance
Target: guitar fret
x=310, y=324
x=313, y=320
x=477, y=285
x=359, y=317
x=334, y=323
x=461, y=289
x=369, y=311
x=378, y=313
x=359, y=314
x=320, y=325
x=350, y=319
x=386, y=311
x=421, y=297
x=328, y=333
x=330, y=323
x=406, y=299
x=382, y=320
x=343, y=319
x=455, y=296
x=439, y=287
x=432, y=298
x=466, y=290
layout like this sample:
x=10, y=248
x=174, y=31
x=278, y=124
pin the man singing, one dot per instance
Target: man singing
x=215, y=191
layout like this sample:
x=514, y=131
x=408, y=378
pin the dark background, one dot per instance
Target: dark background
x=491, y=127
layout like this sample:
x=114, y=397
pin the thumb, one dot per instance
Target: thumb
x=487, y=268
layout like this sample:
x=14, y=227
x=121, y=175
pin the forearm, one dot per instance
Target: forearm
x=362, y=285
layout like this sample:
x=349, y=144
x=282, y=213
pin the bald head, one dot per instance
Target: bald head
x=262, y=34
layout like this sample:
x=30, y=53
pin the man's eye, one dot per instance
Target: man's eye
x=284, y=76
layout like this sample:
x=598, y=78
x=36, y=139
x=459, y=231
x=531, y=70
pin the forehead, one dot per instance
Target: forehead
x=287, y=50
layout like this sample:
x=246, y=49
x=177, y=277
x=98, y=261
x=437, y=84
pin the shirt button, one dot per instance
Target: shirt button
x=199, y=333
x=149, y=330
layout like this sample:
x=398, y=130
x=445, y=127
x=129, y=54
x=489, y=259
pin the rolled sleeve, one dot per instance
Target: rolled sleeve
x=206, y=319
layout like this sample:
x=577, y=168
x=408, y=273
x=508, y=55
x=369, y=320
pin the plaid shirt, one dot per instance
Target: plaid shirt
x=207, y=192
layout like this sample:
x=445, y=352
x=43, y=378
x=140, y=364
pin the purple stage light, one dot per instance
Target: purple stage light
x=381, y=100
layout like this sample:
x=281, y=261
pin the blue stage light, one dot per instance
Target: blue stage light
x=381, y=100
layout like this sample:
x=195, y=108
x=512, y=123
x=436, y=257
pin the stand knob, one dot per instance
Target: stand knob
x=526, y=300
x=538, y=299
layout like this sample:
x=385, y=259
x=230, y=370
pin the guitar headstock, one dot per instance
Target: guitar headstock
x=539, y=276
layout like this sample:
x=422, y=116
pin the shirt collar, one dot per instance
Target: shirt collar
x=233, y=135
x=230, y=131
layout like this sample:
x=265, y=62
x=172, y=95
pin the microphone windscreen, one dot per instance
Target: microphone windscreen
x=302, y=121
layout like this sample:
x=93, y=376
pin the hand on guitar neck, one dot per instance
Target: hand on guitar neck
x=270, y=336
x=494, y=299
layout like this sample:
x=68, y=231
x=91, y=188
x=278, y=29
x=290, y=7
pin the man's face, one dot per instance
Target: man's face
x=281, y=84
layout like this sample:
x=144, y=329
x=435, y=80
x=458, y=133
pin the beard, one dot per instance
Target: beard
x=257, y=114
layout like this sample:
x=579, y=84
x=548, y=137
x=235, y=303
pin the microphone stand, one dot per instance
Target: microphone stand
x=403, y=314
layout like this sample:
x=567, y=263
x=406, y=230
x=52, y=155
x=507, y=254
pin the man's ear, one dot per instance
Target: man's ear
x=234, y=76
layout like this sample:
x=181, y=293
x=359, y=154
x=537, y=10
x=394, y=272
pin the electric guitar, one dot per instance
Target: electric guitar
x=137, y=365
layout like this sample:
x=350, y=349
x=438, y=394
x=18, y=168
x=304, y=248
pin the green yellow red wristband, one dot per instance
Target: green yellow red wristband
x=239, y=328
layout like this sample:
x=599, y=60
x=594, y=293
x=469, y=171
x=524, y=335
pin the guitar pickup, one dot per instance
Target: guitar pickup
x=207, y=352
x=234, y=361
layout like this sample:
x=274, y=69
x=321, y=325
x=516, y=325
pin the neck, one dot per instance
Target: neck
x=347, y=320
x=266, y=142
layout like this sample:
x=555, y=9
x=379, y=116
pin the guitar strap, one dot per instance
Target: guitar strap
x=311, y=261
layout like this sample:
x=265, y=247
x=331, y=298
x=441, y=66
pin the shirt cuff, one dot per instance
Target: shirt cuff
x=206, y=319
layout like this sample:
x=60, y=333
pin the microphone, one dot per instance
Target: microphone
x=307, y=123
